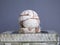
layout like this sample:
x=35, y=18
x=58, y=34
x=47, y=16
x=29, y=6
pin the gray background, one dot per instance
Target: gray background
x=48, y=10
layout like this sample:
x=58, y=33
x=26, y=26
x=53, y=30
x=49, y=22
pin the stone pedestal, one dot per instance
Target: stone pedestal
x=29, y=39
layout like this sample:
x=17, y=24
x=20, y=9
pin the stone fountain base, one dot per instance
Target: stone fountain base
x=29, y=39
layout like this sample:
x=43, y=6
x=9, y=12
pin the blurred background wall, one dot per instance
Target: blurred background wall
x=48, y=10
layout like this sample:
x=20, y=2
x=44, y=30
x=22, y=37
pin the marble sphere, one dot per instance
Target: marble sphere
x=29, y=19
